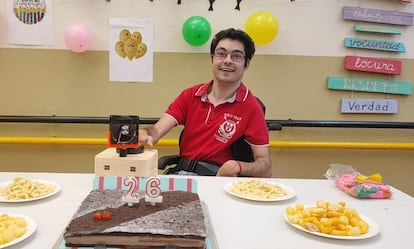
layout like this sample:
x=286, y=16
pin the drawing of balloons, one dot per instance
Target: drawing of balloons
x=196, y=30
x=124, y=35
x=78, y=38
x=130, y=47
x=120, y=49
x=137, y=36
x=141, y=50
x=262, y=27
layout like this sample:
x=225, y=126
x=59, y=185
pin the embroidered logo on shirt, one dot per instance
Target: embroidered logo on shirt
x=227, y=129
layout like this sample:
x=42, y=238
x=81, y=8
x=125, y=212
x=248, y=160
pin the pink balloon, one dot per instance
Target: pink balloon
x=78, y=38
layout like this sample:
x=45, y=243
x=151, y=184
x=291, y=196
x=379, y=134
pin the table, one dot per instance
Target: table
x=51, y=214
x=237, y=223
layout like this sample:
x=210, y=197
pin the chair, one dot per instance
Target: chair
x=241, y=150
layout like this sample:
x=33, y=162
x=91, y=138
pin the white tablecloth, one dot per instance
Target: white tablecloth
x=237, y=223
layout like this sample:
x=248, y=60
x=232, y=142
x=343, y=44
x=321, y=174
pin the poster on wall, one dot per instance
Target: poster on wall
x=130, y=50
x=29, y=22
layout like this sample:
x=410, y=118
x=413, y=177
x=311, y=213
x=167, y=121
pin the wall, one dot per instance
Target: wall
x=306, y=27
x=289, y=75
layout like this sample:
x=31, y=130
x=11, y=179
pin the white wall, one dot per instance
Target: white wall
x=306, y=27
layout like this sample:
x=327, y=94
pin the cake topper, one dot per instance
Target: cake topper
x=153, y=191
x=131, y=196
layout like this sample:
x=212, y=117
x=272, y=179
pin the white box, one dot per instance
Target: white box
x=109, y=163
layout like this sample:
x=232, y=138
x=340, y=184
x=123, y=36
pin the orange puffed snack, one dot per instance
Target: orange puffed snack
x=328, y=218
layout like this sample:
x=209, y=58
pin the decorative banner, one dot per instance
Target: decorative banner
x=370, y=85
x=166, y=184
x=374, y=65
x=29, y=22
x=210, y=8
x=130, y=50
x=379, y=16
x=238, y=5
x=377, y=29
x=385, y=106
x=375, y=44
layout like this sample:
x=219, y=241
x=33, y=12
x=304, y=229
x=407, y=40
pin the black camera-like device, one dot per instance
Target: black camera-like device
x=123, y=134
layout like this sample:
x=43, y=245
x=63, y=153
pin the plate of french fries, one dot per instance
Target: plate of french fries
x=259, y=190
x=15, y=228
x=22, y=190
x=331, y=220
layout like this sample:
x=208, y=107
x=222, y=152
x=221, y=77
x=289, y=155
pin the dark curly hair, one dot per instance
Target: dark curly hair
x=238, y=35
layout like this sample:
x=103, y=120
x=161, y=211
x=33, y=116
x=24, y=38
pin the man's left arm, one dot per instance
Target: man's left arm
x=260, y=167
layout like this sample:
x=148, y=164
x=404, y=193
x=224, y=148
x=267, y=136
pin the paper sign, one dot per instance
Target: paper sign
x=385, y=106
x=30, y=22
x=130, y=50
x=374, y=65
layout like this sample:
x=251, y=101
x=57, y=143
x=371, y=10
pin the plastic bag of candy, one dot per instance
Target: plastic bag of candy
x=354, y=183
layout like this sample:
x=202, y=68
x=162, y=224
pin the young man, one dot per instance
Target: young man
x=217, y=113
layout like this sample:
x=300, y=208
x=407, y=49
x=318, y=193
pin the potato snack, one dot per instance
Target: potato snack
x=22, y=189
x=328, y=218
x=11, y=228
x=258, y=189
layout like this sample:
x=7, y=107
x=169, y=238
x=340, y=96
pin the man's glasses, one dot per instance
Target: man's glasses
x=221, y=54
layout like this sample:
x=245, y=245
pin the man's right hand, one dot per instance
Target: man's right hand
x=145, y=138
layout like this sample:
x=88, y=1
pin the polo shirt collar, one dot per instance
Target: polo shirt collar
x=240, y=95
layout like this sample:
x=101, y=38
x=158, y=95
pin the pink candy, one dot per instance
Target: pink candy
x=363, y=190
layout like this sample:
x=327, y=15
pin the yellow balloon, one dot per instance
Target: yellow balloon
x=262, y=27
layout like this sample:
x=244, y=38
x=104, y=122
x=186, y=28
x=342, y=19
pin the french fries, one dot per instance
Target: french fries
x=328, y=218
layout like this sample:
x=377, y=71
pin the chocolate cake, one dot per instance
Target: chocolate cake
x=177, y=221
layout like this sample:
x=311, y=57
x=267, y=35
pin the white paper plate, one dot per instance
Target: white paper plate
x=57, y=189
x=31, y=228
x=372, y=230
x=290, y=192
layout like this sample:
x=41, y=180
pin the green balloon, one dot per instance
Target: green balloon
x=196, y=30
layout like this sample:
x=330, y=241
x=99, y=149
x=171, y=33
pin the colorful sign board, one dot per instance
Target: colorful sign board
x=378, y=16
x=390, y=46
x=385, y=106
x=377, y=29
x=370, y=85
x=374, y=65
